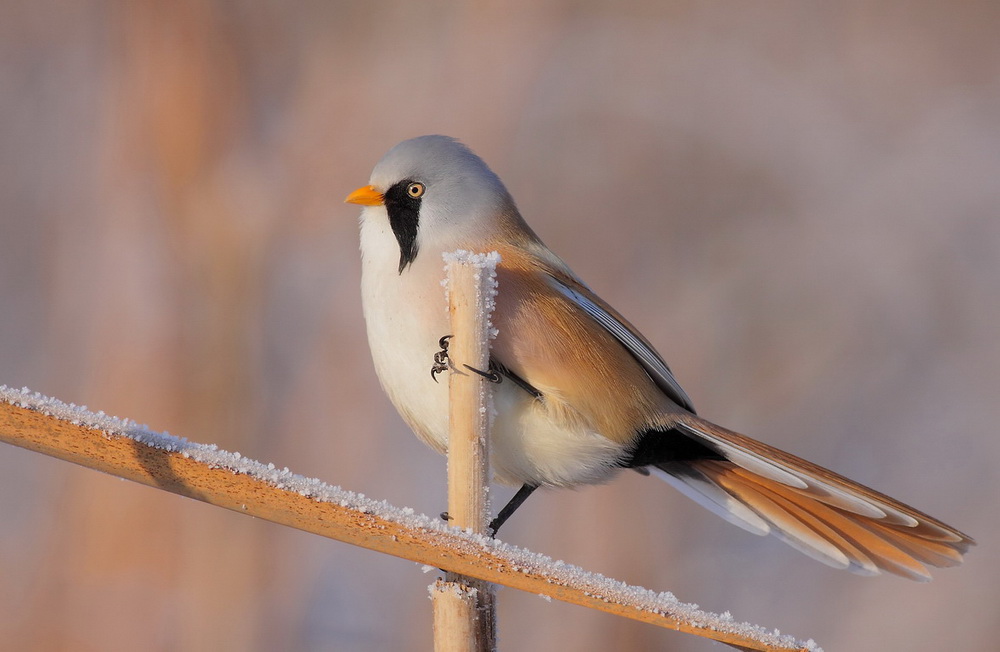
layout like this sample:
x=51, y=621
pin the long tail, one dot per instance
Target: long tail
x=828, y=517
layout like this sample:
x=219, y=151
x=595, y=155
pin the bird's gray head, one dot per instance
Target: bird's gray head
x=437, y=195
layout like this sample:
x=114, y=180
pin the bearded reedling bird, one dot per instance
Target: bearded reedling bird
x=583, y=393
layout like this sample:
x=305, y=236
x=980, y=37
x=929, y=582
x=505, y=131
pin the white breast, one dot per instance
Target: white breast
x=406, y=314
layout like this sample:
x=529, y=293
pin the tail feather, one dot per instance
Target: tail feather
x=871, y=552
x=931, y=552
x=698, y=487
x=814, y=537
x=828, y=517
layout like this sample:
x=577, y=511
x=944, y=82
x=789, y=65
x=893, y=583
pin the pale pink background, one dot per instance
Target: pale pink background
x=797, y=202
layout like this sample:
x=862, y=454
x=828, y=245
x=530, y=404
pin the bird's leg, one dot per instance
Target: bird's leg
x=441, y=364
x=511, y=506
x=440, y=358
x=492, y=375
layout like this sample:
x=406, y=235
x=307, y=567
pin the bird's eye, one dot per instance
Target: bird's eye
x=415, y=190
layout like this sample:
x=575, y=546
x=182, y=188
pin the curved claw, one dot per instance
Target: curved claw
x=440, y=358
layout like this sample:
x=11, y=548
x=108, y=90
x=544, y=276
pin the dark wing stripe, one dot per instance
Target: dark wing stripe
x=647, y=357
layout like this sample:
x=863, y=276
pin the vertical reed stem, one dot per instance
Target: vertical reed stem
x=464, y=608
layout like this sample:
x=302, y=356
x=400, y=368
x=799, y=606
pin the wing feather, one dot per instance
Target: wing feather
x=624, y=332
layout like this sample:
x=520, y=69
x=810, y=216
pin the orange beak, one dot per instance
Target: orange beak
x=365, y=196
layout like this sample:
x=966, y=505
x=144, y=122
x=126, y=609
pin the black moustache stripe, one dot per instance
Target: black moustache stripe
x=404, y=215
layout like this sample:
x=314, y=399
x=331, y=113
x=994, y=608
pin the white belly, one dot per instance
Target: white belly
x=406, y=314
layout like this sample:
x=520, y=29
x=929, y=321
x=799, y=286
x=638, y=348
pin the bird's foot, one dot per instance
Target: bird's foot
x=440, y=358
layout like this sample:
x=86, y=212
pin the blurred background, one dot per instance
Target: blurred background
x=798, y=203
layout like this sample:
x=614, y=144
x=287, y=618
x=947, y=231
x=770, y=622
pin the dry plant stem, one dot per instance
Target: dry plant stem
x=171, y=471
x=461, y=605
x=468, y=423
x=465, y=608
